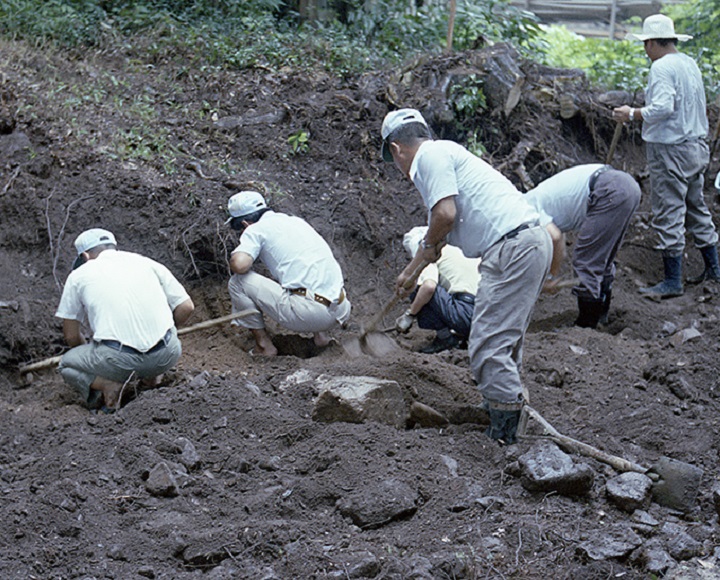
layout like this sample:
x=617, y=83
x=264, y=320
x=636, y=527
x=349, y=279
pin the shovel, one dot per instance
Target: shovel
x=52, y=361
x=378, y=343
x=675, y=483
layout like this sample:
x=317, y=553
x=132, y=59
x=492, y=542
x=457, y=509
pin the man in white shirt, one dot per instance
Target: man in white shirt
x=480, y=211
x=444, y=297
x=132, y=306
x=674, y=129
x=307, y=293
x=597, y=202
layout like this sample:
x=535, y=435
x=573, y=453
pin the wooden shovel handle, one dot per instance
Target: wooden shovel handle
x=51, y=362
x=614, y=142
x=394, y=300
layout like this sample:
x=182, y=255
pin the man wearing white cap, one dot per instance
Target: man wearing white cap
x=307, y=293
x=444, y=298
x=132, y=306
x=674, y=129
x=481, y=212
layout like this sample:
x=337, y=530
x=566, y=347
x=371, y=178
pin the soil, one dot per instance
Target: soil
x=151, y=149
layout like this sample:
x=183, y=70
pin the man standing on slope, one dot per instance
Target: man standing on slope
x=481, y=212
x=674, y=129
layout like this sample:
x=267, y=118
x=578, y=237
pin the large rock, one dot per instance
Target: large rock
x=161, y=481
x=652, y=557
x=372, y=506
x=546, y=468
x=629, y=491
x=678, y=543
x=678, y=484
x=616, y=542
x=358, y=399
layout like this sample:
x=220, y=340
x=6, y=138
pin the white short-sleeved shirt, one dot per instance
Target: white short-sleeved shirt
x=563, y=198
x=676, y=109
x=453, y=271
x=123, y=296
x=294, y=253
x=488, y=204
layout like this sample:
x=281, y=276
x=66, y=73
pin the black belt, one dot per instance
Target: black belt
x=321, y=299
x=596, y=174
x=464, y=297
x=120, y=347
x=513, y=233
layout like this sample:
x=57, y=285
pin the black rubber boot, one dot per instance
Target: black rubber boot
x=503, y=425
x=672, y=284
x=589, y=312
x=712, y=266
x=444, y=340
x=606, y=297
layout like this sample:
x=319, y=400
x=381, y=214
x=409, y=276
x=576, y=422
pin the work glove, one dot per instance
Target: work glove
x=404, y=322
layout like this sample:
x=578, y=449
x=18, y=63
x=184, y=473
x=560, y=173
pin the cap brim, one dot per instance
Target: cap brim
x=385, y=152
x=644, y=37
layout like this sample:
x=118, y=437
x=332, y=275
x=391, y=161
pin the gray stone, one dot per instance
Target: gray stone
x=372, y=506
x=716, y=497
x=200, y=380
x=425, y=416
x=616, y=542
x=358, y=399
x=161, y=482
x=189, y=456
x=652, y=557
x=679, y=544
x=546, y=468
x=678, y=485
x=629, y=491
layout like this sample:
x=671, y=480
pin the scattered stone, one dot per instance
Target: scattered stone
x=451, y=464
x=716, y=497
x=678, y=485
x=630, y=491
x=253, y=388
x=360, y=565
x=680, y=386
x=221, y=423
x=616, y=542
x=116, y=552
x=162, y=416
x=189, y=456
x=199, y=381
x=299, y=377
x=146, y=572
x=425, y=416
x=546, y=468
x=272, y=464
x=161, y=482
x=373, y=506
x=358, y=399
x=684, y=336
x=679, y=544
x=652, y=557
x=668, y=328
x=578, y=350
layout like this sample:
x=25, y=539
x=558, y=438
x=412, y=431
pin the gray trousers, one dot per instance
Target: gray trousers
x=611, y=204
x=252, y=291
x=677, y=179
x=512, y=273
x=80, y=365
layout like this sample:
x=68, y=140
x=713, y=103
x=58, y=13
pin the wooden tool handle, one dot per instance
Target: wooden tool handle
x=614, y=142
x=51, y=362
x=394, y=300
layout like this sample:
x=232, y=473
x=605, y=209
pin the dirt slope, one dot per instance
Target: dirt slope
x=263, y=491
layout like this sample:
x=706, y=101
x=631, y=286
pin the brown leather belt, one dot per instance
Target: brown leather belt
x=321, y=299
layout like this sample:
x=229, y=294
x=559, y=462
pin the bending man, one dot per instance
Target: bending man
x=132, y=305
x=307, y=294
x=481, y=212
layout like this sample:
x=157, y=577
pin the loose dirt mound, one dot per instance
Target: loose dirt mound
x=221, y=472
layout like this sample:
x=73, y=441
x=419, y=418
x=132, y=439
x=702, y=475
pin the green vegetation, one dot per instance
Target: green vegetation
x=298, y=142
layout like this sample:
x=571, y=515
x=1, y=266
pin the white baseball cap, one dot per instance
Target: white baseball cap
x=245, y=203
x=392, y=121
x=657, y=26
x=412, y=239
x=717, y=181
x=90, y=239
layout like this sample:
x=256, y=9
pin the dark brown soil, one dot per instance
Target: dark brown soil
x=116, y=141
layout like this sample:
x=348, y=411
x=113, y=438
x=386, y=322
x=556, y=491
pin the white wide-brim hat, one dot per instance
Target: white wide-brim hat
x=657, y=26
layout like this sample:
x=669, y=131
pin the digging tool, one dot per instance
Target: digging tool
x=377, y=343
x=614, y=142
x=51, y=362
x=675, y=483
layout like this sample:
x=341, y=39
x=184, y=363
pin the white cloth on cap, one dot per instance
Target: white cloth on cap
x=90, y=239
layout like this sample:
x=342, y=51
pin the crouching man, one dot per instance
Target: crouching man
x=445, y=295
x=306, y=294
x=132, y=306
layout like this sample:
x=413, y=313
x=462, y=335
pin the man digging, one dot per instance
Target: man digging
x=132, y=305
x=481, y=212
